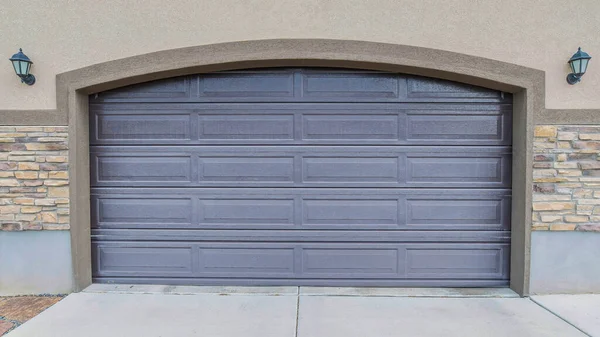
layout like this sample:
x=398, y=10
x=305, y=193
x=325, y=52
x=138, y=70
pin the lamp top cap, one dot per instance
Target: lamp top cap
x=580, y=55
x=20, y=57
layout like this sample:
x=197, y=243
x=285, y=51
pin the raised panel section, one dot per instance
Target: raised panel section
x=458, y=170
x=463, y=127
x=139, y=213
x=454, y=212
x=350, y=261
x=143, y=169
x=350, y=212
x=246, y=211
x=137, y=260
x=301, y=263
x=171, y=88
x=249, y=85
x=246, y=127
x=301, y=166
x=422, y=87
x=143, y=127
x=246, y=169
x=247, y=261
x=350, y=127
x=457, y=262
x=350, y=85
x=350, y=169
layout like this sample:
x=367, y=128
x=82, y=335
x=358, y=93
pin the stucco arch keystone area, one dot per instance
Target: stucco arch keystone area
x=526, y=84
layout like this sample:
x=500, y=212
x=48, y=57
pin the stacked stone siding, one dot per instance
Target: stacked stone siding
x=34, y=178
x=566, y=175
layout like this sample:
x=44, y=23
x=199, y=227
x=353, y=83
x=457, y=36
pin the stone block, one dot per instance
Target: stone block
x=589, y=165
x=56, y=159
x=576, y=218
x=537, y=226
x=551, y=218
x=544, y=188
x=30, y=209
x=10, y=209
x=586, y=145
x=564, y=145
x=562, y=227
x=545, y=131
x=24, y=201
x=26, y=175
x=58, y=192
x=589, y=136
x=9, y=182
x=551, y=197
x=44, y=202
x=11, y=226
x=49, y=182
x=553, y=206
x=28, y=166
x=58, y=175
x=45, y=146
x=562, y=135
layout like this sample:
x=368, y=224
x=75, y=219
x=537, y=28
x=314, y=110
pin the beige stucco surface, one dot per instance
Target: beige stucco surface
x=63, y=35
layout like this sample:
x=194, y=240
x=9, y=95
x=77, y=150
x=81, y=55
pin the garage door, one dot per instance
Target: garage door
x=301, y=177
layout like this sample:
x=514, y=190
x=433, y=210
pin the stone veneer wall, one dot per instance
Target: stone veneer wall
x=566, y=175
x=34, y=178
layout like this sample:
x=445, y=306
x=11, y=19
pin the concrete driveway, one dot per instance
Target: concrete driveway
x=289, y=311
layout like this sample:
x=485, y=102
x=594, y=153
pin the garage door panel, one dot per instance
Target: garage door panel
x=359, y=124
x=174, y=212
x=173, y=126
x=240, y=212
x=246, y=126
x=144, y=259
x=457, y=262
x=245, y=170
x=419, y=87
x=300, y=85
x=374, y=166
x=297, y=209
x=350, y=127
x=241, y=85
x=463, y=128
x=303, y=260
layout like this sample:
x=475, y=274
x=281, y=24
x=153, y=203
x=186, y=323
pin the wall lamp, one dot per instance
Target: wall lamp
x=578, y=63
x=22, y=65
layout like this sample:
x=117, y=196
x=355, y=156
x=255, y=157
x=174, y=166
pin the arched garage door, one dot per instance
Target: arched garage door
x=301, y=177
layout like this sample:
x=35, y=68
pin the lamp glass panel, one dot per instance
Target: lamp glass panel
x=16, y=66
x=584, y=64
x=24, y=68
x=576, y=65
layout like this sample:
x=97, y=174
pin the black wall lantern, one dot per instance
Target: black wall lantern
x=22, y=65
x=578, y=63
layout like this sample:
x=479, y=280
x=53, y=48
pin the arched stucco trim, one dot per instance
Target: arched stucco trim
x=526, y=84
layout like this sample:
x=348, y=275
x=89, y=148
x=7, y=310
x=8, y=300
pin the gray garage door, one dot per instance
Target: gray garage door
x=301, y=177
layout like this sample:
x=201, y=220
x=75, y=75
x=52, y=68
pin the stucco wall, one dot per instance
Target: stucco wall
x=63, y=35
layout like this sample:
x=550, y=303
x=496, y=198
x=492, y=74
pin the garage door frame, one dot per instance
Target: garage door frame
x=526, y=85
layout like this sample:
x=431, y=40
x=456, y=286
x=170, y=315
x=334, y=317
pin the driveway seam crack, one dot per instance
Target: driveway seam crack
x=297, y=312
x=560, y=317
